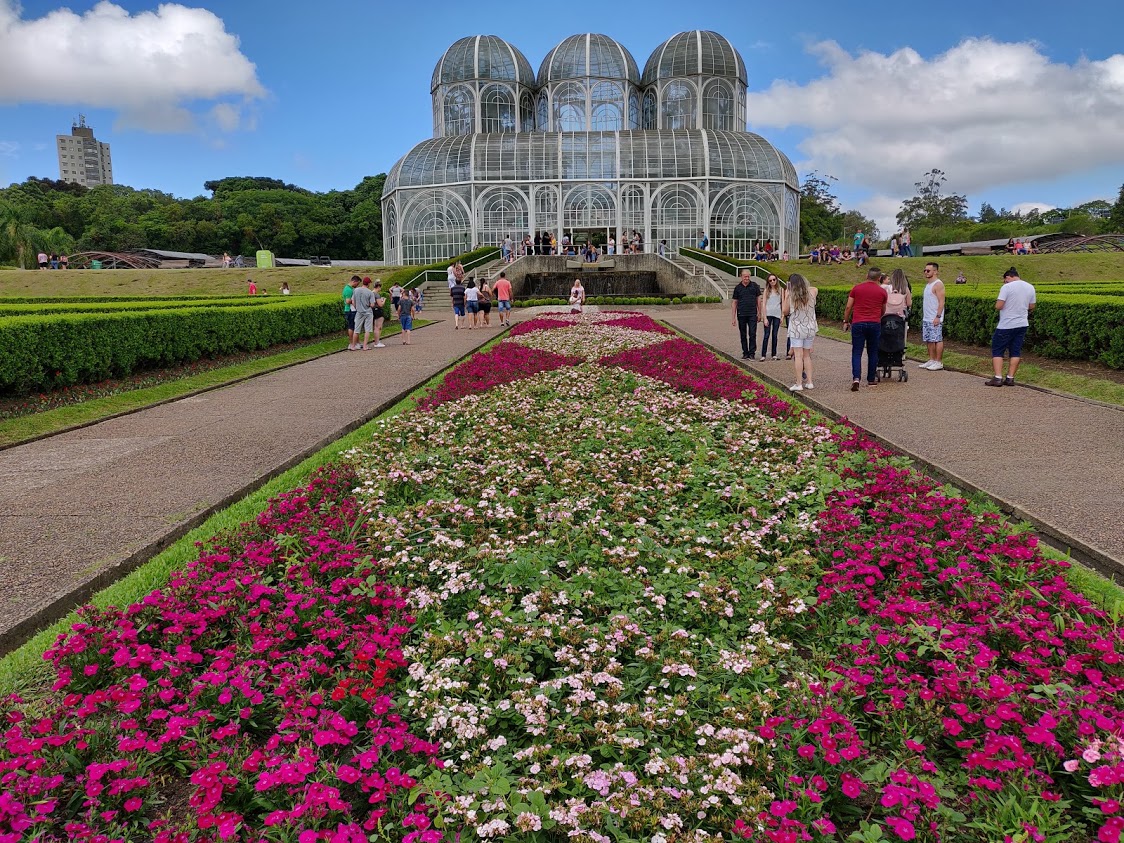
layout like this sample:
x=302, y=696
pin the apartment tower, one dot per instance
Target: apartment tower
x=82, y=158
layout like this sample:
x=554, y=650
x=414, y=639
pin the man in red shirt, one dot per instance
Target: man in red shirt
x=868, y=301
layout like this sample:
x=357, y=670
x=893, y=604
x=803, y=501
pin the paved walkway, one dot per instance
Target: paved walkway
x=1054, y=461
x=81, y=508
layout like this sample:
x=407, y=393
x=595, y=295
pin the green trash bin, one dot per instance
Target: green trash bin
x=95, y=264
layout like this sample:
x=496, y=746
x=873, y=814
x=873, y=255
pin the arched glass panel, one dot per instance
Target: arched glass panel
x=648, y=120
x=526, y=114
x=718, y=106
x=435, y=226
x=606, y=107
x=460, y=111
x=589, y=206
x=678, y=106
x=633, y=109
x=677, y=216
x=501, y=213
x=546, y=209
x=542, y=114
x=569, y=107
x=497, y=110
x=632, y=209
x=390, y=231
x=742, y=218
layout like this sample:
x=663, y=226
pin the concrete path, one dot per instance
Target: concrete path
x=1054, y=461
x=82, y=508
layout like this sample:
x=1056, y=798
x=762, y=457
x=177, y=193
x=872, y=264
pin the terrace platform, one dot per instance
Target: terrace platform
x=1053, y=461
x=83, y=508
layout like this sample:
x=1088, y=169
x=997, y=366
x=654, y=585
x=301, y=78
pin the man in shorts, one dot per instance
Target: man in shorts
x=1016, y=301
x=363, y=300
x=405, y=311
x=349, y=311
x=932, y=318
x=456, y=293
x=502, y=289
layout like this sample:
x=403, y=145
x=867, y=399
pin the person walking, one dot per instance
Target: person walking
x=743, y=313
x=379, y=313
x=363, y=299
x=396, y=293
x=457, y=293
x=906, y=241
x=799, y=305
x=899, y=297
x=868, y=302
x=349, y=311
x=472, y=302
x=1016, y=301
x=486, y=302
x=770, y=308
x=932, y=318
x=502, y=290
x=405, y=310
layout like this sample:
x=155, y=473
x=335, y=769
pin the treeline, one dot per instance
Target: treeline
x=243, y=215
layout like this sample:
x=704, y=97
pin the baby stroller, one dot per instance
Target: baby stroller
x=891, y=347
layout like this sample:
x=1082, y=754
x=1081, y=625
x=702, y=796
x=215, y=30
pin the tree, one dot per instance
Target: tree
x=1116, y=218
x=931, y=207
x=819, y=209
x=987, y=214
x=18, y=237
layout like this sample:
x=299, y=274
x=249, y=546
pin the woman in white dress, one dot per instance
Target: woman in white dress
x=800, y=307
x=577, y=296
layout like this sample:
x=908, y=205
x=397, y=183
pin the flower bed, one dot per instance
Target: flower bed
x=629, y=595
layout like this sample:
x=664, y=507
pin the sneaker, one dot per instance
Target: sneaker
x=993, y=382
x=854, y=386
x=809, y=385
x=775, y=357
x=936, y=367
x=796, y=388
x=351, y=348
x=1009, y=381
x=762, y=358
x=925, y=365
x=380, y=345
x=746, y=357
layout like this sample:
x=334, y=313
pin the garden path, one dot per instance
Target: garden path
x=84, y=507
x=1056, y=462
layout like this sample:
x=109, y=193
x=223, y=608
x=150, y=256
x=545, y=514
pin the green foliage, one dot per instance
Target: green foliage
x=46, y=352
x=821, y=218
x=1115, y=221
x=244, y=215
x=1063, y=327
x=408, y=276
x=116, y=305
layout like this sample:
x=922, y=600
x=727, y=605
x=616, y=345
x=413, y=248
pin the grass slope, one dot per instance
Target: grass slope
x=180, y=282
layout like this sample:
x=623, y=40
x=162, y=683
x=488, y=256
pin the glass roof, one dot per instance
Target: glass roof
x=589, y=55
x=695, y=53
x=482, y=57
x=592, y=156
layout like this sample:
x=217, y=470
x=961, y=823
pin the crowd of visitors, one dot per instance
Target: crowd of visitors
x=364, y=310
x=53, y=261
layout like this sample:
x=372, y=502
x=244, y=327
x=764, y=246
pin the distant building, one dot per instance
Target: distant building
x=82, y=158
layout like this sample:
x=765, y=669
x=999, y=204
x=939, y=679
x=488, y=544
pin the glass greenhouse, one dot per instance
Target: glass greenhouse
x=592, y=148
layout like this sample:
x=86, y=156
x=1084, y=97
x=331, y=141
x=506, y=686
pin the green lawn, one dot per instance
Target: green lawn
x=987, y=269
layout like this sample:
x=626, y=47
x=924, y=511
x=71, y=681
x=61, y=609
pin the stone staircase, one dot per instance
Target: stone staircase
x=725, y=282
x=440, y=286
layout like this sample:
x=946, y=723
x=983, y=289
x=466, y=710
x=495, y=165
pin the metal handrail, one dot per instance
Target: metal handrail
x=721, y=292
x=735, y=269
x=423, y=276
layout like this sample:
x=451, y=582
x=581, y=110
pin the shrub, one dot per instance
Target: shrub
x=408, y=273
x=39, y=353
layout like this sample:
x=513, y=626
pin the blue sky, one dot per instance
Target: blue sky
x=1019, y=103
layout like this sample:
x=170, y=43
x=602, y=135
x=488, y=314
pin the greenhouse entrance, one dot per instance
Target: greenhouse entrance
x=596, y=236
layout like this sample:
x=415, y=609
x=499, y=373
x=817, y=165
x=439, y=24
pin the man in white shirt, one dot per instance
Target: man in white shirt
x=1016, y=301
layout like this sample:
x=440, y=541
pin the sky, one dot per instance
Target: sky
x=1021, y=104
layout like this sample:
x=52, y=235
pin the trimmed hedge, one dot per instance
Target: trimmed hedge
x=61, y=307
x=90, y=299
x=1070, y=327
x=39, y=353
x=621, y=300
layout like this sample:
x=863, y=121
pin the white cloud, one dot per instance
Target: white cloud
x=1027, y=207
x=987, y=113
x=148, y=66
x=9, y=149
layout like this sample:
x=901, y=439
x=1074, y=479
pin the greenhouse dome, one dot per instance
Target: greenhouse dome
x=575, y=151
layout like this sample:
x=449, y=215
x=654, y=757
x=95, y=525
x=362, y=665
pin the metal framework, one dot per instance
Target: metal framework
x=115, y=260
x=1058, y=243
x=590, y=147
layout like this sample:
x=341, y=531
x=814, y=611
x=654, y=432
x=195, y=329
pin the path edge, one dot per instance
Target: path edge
x=1088, y=555
x=63, y=604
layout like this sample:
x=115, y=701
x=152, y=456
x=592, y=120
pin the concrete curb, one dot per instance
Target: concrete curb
x=1087, y=554
x=63, y=604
